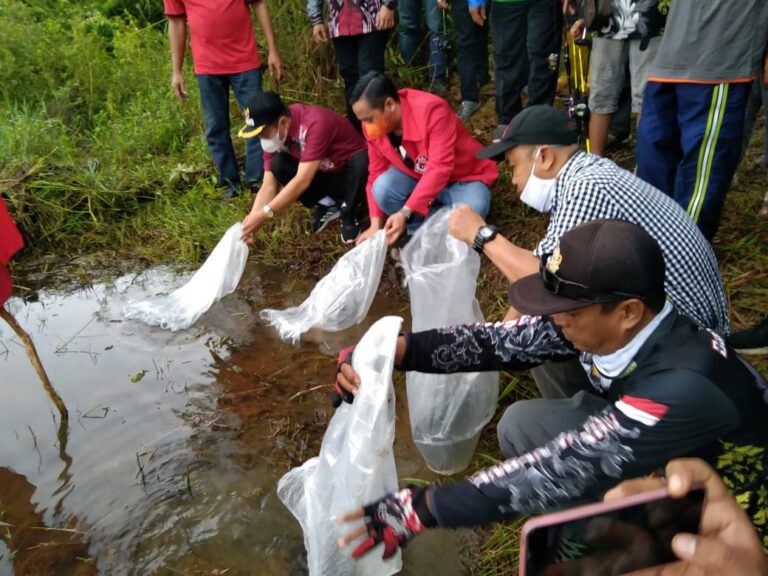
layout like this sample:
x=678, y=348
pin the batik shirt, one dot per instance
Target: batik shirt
x=683, y=394
x=635, y=19
x=346, y=17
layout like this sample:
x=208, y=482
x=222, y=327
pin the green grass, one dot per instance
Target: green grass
x=97, y=155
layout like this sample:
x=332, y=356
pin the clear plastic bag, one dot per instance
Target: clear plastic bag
x=447, y=411
x=218, y=276
x=341, y=299
x=356, y=464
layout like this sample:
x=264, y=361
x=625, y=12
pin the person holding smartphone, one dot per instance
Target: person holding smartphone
x=727, y=542
x=662, y=388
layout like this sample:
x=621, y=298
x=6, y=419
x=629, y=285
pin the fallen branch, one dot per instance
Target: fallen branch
x=29, y=345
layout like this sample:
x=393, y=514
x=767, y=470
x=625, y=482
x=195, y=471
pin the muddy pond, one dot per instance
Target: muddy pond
x=175, y=441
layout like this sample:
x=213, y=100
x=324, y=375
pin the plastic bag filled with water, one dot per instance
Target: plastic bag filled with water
x=217, y=277
x=447, y=411
x=341, y=299
x=356, y=464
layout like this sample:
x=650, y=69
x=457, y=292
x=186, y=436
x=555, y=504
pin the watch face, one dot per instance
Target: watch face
x=486, y=232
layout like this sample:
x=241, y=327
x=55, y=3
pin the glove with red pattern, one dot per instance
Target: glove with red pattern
x=395, y=519
x=340, y=394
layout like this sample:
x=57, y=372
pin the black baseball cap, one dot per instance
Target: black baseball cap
x=539, y=124
x=263, y=109
x=599, y=261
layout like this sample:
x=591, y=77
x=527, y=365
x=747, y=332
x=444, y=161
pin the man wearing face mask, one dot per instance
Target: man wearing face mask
x=421, y=157
x=315, y=155
x=555, y=177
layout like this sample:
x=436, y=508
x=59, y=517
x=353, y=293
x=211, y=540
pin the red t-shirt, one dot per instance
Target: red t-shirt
x=10, y=243
x=442, y=149
x=221, y=34
x=320, y=134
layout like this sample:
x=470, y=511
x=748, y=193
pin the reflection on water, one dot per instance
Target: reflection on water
x=175, y=441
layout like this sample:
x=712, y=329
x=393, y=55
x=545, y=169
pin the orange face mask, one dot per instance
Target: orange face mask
x=377, y=129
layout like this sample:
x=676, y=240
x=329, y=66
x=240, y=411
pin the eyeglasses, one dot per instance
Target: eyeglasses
x=575, y=290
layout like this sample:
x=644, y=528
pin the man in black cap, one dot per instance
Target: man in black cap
x=315, y=155
x=662, y=388
x=553, y=176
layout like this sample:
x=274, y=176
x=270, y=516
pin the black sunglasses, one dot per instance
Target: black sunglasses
x=575, y=290
x=406, y=159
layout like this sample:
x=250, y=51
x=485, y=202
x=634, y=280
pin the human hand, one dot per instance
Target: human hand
x=727, y=542
x=251, y=222
x=319, y=33
x=443, y=4
x=463, y=223
x=478, y=15
x=366, y=235
x=394, y=519
x=347, y=380
x=385, y=19
x=275, y=64
x=394, y=227
x=179, y=86
x=577, y=28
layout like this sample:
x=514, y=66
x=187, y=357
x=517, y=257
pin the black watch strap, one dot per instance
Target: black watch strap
x=484, y=235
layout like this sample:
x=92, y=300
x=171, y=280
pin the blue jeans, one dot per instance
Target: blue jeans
x=410, y=25
x=214, y=97
x=393, y=188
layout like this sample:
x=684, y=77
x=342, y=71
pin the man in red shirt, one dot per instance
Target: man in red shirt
x=421, y=157
x=225, y=55
x=315, y=155
x=10, y=243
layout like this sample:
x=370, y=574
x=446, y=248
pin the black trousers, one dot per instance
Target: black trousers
x=529, y=424
x=356, y=56
x=347, y=186
x=471, y=51
x=526, y=50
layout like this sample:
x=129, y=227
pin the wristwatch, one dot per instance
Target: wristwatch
x=268, y=211
x=484, y=235
x=407, y=212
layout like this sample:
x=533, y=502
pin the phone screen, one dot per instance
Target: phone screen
x=614, y=542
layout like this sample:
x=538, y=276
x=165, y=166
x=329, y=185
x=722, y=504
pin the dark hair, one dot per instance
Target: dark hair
x=655, y=302
x=375, y=87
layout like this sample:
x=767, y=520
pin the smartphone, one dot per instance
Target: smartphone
x=609, y=538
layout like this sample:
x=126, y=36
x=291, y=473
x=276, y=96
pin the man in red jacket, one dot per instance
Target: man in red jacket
x=10, y=243
x=420, y=157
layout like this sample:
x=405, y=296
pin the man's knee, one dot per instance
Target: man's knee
x=385, y=193
x=511, y=429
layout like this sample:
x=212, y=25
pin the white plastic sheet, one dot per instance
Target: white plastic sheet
x=447, y=412
x=341, y=299
x=356, y=464
x=217, y=277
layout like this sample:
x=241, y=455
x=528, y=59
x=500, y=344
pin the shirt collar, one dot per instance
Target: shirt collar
x=614, y=364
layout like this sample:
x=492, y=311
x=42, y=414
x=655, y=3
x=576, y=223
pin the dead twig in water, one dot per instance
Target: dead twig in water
x=29, y=345
x=302, y=392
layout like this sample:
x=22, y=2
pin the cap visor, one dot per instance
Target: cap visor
x=249, y=132
x=495, y=151
x=529, y=296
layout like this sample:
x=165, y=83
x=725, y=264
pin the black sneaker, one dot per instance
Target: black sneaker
x=322, y=216
x=752, y=340
x=350, y=229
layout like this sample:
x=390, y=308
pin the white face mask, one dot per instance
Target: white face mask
x=539, y=193
x=274, y=144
